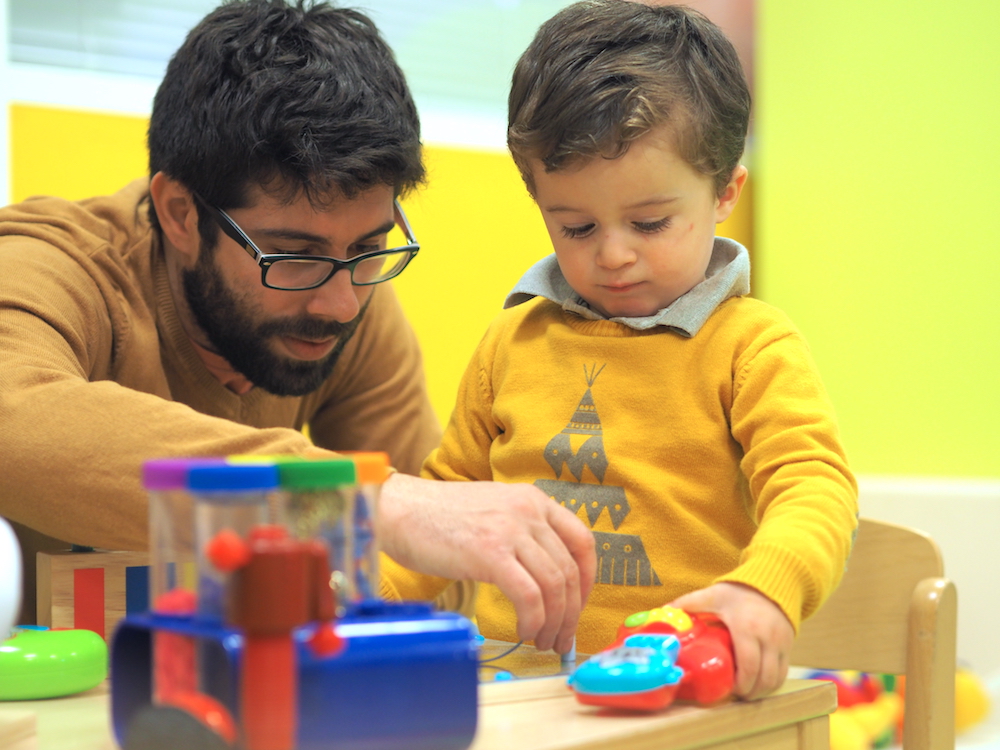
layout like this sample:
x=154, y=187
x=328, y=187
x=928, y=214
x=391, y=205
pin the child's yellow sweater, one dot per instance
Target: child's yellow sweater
x=694, y=460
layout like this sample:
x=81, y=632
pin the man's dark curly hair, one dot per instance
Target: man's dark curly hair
x=296, y=98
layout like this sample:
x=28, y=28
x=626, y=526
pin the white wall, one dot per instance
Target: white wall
x=963, y=517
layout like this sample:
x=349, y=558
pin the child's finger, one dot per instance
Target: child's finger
x=767, y=676
x=696, y=601
x=747, y=650
x=773, y=671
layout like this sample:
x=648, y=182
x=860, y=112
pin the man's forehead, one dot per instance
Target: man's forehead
x=279, y=194
x=284, y=207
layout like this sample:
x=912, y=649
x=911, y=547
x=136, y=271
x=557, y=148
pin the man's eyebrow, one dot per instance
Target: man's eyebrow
x=315, y=239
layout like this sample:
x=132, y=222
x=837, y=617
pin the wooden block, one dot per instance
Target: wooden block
x=92, y=590
x=88, y=599
x=17, y=730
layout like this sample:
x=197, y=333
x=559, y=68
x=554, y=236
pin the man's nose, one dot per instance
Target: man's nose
x=336, y=300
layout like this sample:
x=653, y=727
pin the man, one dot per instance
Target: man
x=236, y=296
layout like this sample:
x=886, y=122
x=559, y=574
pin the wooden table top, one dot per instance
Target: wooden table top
x=536, y=712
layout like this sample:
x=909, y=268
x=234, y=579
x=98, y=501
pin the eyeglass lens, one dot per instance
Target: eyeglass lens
x=303, y=273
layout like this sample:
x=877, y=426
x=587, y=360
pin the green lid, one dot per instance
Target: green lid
x=316, y=474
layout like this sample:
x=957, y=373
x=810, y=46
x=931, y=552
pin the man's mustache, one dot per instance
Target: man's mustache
x=311, y=328
x=306, y=328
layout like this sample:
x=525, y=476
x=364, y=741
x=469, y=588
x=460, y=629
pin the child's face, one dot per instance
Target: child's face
x=635, y=233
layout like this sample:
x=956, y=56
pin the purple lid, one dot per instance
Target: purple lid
x=172, y=473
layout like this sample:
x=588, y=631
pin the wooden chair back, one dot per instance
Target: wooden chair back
x=894, y=613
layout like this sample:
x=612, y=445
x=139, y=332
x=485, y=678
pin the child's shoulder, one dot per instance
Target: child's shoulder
x=535, y=311
x=749, y=320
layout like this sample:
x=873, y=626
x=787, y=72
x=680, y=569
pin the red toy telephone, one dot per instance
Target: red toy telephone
x=660, y=656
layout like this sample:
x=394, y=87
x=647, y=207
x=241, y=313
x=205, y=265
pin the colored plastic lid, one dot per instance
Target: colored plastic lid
x=172, y=473
x=256, y=459
x=317, y=474
x=233, y=478
x=372, y=466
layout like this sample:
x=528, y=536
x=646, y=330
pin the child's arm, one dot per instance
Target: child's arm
x=762, y=634
x=539, y=554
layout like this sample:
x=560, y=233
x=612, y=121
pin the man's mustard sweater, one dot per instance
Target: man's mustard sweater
x=694, y=460
x=97, y=375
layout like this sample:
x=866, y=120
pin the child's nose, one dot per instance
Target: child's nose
x=614, y=251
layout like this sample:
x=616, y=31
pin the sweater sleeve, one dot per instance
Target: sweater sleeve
x=464, y=453
x=804, y=495
x=462, y=456
x=74, y=426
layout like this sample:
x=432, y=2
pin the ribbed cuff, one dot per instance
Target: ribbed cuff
x=780, y=576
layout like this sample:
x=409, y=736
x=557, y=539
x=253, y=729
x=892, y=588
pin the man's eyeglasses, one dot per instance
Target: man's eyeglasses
x=292, y=272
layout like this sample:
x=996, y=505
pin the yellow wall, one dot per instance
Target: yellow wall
x=878, y=155
x=478, y=228
x=72, y=153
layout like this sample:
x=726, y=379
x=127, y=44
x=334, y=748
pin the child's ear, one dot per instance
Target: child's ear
x=177, y=214
x=726, y=202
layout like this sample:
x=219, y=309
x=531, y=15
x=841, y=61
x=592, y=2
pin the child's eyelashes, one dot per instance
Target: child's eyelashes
x=649, y=227
x=577, y=232
x=646, y=227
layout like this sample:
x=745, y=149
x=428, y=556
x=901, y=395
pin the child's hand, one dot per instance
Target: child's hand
x=762, y=635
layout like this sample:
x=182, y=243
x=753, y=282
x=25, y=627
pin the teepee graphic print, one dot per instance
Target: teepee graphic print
x=579, y=448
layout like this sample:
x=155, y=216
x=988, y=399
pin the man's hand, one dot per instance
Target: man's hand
x=762, y=635
x=512, y=535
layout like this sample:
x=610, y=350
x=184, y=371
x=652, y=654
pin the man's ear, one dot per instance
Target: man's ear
x=178, y=215
x=731, y=193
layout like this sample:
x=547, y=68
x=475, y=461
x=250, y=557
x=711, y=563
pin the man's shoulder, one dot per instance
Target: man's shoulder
x=115, y=223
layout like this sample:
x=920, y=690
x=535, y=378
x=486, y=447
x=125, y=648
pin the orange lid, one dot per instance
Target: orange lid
x=372, y=467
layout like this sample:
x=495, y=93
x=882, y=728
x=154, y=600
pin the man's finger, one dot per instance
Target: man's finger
x=518, y=585
x=579, y=541
x=541, y=561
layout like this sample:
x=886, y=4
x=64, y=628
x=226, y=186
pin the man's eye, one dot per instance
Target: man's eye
x=361, y=249
x=649, y=227
x=576, y=232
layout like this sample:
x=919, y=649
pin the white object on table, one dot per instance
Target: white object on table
x=10, y=579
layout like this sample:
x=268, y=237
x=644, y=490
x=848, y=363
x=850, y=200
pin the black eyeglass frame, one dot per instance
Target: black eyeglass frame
x=266, y=260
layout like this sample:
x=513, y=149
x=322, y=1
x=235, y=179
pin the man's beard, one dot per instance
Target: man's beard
x=228, y=321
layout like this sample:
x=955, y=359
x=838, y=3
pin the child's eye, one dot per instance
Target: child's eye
x=577, y=232
x=649, y=227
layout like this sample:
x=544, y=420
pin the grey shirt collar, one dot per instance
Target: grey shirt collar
x=728, y=275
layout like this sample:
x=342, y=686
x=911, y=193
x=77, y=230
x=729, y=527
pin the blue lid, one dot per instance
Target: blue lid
x=172, y=473
x=233, y=478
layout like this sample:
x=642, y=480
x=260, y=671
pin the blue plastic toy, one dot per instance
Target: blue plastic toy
x=643, y=671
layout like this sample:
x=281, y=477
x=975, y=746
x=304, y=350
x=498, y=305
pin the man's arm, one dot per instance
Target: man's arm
x=72, y=436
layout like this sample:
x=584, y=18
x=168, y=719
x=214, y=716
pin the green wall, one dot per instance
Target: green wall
x=878, y=165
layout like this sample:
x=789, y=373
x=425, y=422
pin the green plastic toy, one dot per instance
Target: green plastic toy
x=51, y=663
